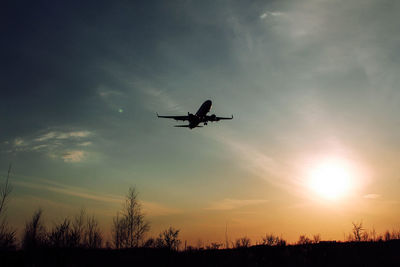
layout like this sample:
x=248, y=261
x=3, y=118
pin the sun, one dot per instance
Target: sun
x=331, y=179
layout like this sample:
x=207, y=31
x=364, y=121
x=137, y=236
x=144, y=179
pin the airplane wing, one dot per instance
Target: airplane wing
x=177, y=118
x=224, y=118
x=215, y=118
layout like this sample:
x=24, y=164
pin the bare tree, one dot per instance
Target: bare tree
x=199, y=244
x=34, y=235
x=5, y=191
x=150, y=243
x=316, y=238
x=129, y=229
x=93, y=237
x=7, y=237
x=270, y=240
x=357, y=231
x=7, y=233
x=136, y=226
x=373, y=235
x=281, y=242
x=214, y=246
x=365, y=236
x=395, y=234
x=304, y=240
x=387, y=236
x=118, y=232
x=78, y=228
x=168, y=239
x=60, y=236
x=242, y=242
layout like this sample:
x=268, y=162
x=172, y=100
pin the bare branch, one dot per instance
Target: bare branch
x=5, y=191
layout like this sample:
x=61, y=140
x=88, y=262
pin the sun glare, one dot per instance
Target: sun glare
x=331, y=179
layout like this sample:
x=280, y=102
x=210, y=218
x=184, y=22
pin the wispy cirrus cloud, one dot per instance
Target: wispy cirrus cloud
x=69, y=146
x=230, y=204
x=149, y=207
x=73, y=156
x=158, y=97
x=43, y=184
x=88, y=143
x=372, y=196
x=18, y=142
x=157, y=209
x=269, y=13
x=62, y=135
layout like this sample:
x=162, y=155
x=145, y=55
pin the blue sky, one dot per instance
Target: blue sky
x=305, y=80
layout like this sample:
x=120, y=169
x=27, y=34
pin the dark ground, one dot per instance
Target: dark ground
x=323, y=254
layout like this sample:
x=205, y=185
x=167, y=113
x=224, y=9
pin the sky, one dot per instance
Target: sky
x=310, y=83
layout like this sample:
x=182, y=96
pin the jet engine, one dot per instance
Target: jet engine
x=213, y=117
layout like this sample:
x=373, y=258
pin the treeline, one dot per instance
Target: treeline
x=129, y=230
x=82, y=231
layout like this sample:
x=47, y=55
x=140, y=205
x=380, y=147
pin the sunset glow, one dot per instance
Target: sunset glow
x=331, y=179
x=309, y=90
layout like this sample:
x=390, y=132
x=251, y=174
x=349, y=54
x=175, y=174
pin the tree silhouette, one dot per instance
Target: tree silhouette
x=83, y=232
x=169, y=239
x=304, y=240
x=357, y=231
x=242, y=242
x=78, y=228
x=214, y=245
x=7, y=234
x=34, y=235
x=61, y=235
x=270, y=240
x=93, y=237
x=129, y=229
x=316, y=238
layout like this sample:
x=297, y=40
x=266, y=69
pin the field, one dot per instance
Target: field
x=321, y=254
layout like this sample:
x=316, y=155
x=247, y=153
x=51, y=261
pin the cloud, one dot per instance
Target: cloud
x=156, y=209
x=273, y=14
x=43, y=184
x=85, y=143
x=150, y=208
x=74, y=156
x=57, y=144
x=230, y=204
x=276, y=14
x=158, y=97
x=18, y=142
x=39, y=147
x=47, y=136
x=372, y=196
x=257, y=162
x=106, y=93
x=62, y=135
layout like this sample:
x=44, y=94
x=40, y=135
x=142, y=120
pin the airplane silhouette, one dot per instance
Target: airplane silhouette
x=200, y=116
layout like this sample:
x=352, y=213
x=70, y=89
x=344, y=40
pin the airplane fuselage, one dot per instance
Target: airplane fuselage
x=200, y=115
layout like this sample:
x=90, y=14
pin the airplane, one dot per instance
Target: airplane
x=200, y=116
